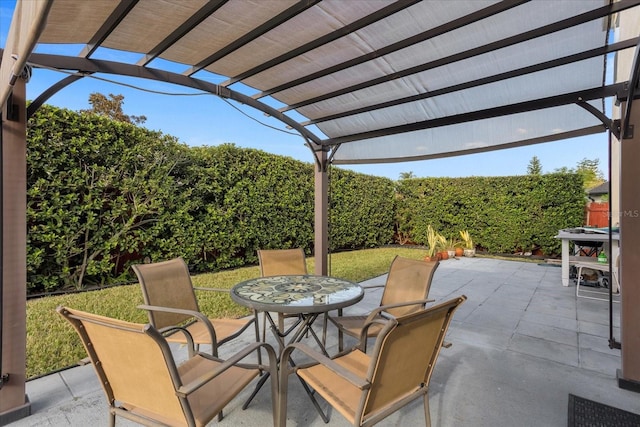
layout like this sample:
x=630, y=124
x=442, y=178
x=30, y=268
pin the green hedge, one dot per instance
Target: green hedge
x=93, y=186
x=502, y=214
x=103, y=194
x=238, y=200
x=361, y=210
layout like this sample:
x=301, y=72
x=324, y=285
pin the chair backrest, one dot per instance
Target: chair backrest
x=405, y=354
x=274, y=262
x=408, y=280
x=133, y=362
x=167, y=284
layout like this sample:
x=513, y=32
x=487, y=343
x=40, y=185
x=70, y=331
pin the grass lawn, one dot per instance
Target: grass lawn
x=52, y=344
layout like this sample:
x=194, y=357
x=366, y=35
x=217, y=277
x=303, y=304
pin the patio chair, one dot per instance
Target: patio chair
x=142, y=382
x=590, y=249
x=365, y=388
x=277, y=262
x=173, y=307
x=405, y=291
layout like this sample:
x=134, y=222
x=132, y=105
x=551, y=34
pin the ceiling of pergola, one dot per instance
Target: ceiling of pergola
x=371, y=81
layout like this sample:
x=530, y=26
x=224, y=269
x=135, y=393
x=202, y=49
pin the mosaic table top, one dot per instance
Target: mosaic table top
x=297, y=293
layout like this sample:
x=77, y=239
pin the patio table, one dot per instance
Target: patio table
x=308, y=296
x=305, y=295
x=585, y=235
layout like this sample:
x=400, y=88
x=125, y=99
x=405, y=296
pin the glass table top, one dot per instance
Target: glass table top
x=297, y=293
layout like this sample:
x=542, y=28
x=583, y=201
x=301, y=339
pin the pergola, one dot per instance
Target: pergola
x=361, y=81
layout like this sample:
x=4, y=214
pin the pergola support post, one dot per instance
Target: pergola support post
x=14, y=403
x=321, y=223
x=629, y=375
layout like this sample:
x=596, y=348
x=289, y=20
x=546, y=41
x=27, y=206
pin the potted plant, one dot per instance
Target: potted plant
x=469, y=249
x=459, y=248
x=453, y=245
x=443, y=250
x=432, y=242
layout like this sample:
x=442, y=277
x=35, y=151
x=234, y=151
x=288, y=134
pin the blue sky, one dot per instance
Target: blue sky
x=208, y=120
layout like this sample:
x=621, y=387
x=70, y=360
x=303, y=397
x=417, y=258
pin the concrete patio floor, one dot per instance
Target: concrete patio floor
x=521, y=343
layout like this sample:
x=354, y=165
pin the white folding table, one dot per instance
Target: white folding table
x=585, y=235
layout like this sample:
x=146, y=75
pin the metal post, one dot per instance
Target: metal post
x=14, y=403
x=629, y=271
x=321, y=226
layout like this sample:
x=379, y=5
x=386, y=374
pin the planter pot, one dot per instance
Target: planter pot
x=469, y=252
x=451, y=253
x=443, y=255
x=459, y=252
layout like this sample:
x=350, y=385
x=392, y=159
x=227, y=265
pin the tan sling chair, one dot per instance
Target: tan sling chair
x=406, y=290
x=281, y=262
x=173, y=307
x=142, y=382
x=366, y=388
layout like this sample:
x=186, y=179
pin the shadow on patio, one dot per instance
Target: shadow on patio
x=521, y=344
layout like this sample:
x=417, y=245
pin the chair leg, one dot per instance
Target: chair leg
x=283, y=385
x=325, y=316
x=340, y=334
x=578, y=277
x=264, y=326
x=257, y=329
x=280, y=323
x=427, y=412
x=275, y=389
x=214, y=350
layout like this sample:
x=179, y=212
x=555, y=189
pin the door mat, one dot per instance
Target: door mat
x=587, y=413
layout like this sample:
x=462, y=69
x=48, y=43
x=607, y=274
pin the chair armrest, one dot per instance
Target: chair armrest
x=359, y=382
x=194, y=385
x=197, y=288
x=375, y=312
x=198, y=315
x=364, y=332
x=182, y=329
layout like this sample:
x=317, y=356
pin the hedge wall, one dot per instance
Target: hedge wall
x=92, y=187
x=502, y=214
x=103, y=194
x=361, y=210
x=238, y=200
